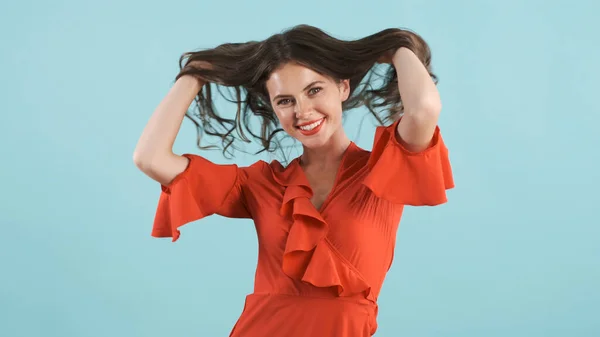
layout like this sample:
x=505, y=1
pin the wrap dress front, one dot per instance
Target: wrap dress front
x=319, y=271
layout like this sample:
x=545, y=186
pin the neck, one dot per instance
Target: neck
x=328, y=154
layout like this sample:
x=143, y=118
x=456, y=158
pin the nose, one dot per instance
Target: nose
x=302, y=109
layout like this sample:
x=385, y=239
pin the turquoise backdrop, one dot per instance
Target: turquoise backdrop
x=515, y=252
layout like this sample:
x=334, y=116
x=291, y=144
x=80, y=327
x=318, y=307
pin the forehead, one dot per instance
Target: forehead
x=291, y=78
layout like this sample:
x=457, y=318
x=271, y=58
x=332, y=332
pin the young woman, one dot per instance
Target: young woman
x=327, y=221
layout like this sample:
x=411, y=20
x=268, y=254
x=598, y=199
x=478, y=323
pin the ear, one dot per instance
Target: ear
x=344, y=87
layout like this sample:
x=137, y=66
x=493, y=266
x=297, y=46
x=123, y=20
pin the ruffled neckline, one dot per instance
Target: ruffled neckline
x=309, y=256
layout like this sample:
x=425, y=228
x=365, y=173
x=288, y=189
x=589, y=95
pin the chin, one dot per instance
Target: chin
x=314, y=143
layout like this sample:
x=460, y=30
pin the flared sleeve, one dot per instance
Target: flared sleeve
x=202, y=189
x=410, y=178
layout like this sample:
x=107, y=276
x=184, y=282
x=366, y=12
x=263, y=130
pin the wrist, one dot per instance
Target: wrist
x=401, y=53
x=189, y=82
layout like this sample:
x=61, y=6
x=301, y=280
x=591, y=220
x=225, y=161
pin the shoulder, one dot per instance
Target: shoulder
x=257, y=169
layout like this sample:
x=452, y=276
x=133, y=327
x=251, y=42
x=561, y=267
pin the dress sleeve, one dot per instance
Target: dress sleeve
x=410, y=178
x=202, y=189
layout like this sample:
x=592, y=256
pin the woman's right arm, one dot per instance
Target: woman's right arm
x=153, y=153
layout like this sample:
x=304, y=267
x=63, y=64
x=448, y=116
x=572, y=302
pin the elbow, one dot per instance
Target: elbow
x=426, y=112
x=141, y=161
x=431, y=107
x=147, y=161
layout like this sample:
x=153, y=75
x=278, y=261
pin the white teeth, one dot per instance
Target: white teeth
x=311, y=126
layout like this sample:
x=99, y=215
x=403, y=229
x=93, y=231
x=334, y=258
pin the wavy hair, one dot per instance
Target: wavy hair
x=244, y=68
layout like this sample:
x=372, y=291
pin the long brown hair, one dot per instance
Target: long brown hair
x=245, y=68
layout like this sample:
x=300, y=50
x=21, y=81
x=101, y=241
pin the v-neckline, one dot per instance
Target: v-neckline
x=335, y=181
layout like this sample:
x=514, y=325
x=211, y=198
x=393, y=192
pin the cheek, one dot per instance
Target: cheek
x=332, y=107
x=286, y=118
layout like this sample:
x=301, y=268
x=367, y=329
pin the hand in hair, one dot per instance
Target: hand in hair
x=387, y=57
x=245, y=67
x=199, y=65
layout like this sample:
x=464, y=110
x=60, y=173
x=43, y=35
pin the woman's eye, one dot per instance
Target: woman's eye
x=283, y=101
x=314, y=90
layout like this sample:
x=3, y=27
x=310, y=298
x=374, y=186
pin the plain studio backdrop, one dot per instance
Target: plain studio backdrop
x=515, y=251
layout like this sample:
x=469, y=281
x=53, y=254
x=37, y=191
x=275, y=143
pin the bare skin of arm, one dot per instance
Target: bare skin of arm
x=153, y=153
x=421, y=101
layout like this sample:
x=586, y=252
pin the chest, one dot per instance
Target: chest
x=321, y=183
x=360, y=226
x=358, y=222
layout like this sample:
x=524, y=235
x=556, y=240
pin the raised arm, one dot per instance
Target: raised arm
x=420, y=99
x=153, y=153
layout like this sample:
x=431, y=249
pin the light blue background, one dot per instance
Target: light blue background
x=514, y=253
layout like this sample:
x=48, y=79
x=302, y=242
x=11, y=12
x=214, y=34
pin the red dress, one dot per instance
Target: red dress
x=319, y=272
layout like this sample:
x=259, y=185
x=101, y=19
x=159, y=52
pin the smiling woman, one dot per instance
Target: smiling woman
x=309, y=113
x=326, y=223
x=255, y=70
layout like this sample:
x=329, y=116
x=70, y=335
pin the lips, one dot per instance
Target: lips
x=312, y=131
x=309, y=123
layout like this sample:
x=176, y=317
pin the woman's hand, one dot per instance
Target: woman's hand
x=198, y=65
x=387, y=57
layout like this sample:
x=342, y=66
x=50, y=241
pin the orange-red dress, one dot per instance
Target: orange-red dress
x=319, y=271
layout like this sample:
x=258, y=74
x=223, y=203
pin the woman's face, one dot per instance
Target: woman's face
x=307, y=104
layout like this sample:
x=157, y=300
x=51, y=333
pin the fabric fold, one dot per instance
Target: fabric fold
x=410, y=178
x=202, y=189
x=309, y=256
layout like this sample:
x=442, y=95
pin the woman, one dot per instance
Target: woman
x=327, y=221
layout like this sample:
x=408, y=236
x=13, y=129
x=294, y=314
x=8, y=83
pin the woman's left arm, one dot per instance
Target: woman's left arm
x=420, y=98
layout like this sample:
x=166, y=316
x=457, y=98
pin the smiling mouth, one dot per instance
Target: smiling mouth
x=311, y=126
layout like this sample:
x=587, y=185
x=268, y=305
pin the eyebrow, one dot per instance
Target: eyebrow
x=305, y=88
